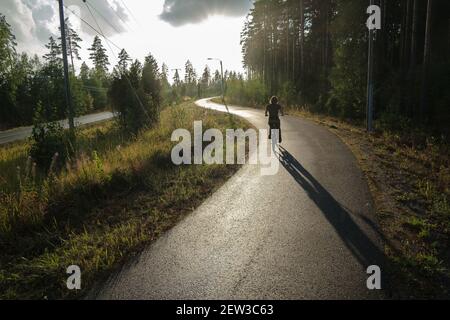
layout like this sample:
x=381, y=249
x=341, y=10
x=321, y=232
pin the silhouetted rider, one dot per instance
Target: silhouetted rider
x=273, y=110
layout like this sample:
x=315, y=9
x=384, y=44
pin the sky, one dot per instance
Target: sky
x=172, y=30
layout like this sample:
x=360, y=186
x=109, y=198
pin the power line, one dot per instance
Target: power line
x=90, y=26
x=102, y=16
x=131, y=13
x=98, y=26
x=117, y=15
x=123, y=73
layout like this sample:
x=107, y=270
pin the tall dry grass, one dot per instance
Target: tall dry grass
x=118, y=194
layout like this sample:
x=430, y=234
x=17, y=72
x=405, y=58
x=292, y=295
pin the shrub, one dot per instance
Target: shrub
x=49, y=142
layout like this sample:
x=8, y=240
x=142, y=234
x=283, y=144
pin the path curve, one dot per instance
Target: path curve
x=306, y=233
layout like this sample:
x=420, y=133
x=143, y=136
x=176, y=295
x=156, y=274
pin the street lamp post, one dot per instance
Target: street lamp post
x=222, y=83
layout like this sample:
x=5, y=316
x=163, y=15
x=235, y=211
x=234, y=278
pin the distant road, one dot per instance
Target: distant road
x=24, y=132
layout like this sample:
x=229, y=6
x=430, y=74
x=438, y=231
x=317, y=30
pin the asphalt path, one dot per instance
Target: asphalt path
x=22, y=133
x=307, y=232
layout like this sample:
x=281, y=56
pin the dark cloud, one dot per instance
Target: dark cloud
x=181, y=12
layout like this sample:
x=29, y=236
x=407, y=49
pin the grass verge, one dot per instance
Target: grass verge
x=116, y=197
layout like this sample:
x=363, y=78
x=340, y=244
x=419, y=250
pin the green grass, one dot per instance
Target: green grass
x=15, y=163
x=118, y=195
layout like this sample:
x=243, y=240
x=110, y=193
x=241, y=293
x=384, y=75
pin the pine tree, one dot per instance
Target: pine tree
x=206, y=77
x=164, y=75
x=124, y=59
x=99, y=57
x=84, y=72
x=176, y=79
x=73, y=43
x=7, y=47
x=135, y=74
x=8, y=110
x=151, y=86
x=190, y=79
x=166, y=93
x=150, y=78
x=53, y=57
x=190, y=76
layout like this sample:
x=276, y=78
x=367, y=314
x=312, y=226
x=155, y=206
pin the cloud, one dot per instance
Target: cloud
x=20, y=16
x=34, y=21
x=181, y=12
x=109, y=15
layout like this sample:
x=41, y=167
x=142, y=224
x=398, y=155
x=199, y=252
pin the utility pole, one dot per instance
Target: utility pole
x=66, y=70
x=370, y=80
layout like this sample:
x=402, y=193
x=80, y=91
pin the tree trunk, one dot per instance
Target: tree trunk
x=302, y=43
x=404, y=60
x=407, y=33
x=326, y=46
x=384, y=52
x=414, y=36
x=287, y=45
x=294, y=44
x=424, y=112
x=412, y=59
x=264, y=69
x=402, y=33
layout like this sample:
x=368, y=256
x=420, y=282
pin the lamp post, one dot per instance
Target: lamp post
x=221, y=71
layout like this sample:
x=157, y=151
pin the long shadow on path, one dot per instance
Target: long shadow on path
x=356, y=240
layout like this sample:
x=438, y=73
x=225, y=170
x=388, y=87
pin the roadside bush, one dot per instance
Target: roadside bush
x=49, y=143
